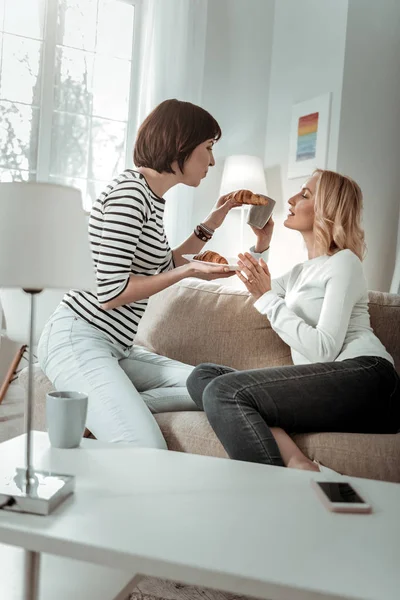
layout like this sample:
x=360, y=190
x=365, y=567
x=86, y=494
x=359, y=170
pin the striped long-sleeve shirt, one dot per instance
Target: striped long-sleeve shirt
x=127, y=236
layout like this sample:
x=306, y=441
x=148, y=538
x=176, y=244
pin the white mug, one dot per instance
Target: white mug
x=66, y=418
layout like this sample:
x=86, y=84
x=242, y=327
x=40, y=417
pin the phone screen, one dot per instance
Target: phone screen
x=340, y=492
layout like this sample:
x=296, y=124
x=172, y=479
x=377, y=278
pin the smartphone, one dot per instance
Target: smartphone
x=340, y=496
x=258, y=216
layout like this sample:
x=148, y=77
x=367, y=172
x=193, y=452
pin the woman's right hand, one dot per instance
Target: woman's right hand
x=206, y=271
x=220, y=211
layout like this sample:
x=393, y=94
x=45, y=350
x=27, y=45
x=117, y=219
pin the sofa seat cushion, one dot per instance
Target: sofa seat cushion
x=373, y=456
x=190, y=432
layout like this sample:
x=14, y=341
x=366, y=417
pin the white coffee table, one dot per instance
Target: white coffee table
x=62, y=578
x=229, y=525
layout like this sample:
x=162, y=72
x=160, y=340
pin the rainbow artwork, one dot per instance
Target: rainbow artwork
x=307, y=137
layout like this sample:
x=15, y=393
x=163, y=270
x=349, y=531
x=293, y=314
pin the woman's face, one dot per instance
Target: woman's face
x=198, y=163
x=301, y=207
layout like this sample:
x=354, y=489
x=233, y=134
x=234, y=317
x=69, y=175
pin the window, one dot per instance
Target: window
x=65, y=79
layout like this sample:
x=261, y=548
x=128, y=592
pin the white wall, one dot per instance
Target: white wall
x=369, y=140
x=307, y=60
x=235, y=91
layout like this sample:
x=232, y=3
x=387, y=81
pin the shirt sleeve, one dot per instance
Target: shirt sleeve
x=345, y=284
x=278, y=285
x=125, y=212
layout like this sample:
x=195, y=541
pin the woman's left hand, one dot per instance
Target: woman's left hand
x=220, y=210
x=263, y=235
x=255, y=275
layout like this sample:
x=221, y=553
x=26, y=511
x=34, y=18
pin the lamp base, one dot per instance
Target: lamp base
x=47, y=491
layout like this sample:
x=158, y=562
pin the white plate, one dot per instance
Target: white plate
x=232, y=262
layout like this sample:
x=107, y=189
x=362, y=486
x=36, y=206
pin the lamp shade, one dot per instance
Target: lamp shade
x=243, y=171
x=43, y=237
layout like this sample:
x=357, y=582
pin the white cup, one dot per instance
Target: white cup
x=66, y=418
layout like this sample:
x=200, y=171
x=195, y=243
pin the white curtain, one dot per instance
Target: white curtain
x=173, y=41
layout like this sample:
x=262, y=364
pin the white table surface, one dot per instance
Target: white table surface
x=234, y=526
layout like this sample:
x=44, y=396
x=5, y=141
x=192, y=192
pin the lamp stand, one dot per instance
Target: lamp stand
x=27, y=490
x=243, y=210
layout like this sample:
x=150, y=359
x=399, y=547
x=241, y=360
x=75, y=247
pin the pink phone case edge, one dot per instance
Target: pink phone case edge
x=346, y=508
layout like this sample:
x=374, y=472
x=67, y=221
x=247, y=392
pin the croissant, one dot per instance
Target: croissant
x=247, y=197
x=210, y=256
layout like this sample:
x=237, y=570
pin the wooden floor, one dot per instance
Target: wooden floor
x=160, y=589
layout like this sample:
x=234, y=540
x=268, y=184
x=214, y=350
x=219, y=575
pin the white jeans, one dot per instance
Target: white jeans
x=124, y=386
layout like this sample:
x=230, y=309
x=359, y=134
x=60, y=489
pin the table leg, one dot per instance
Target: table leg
x=31, y=575
x=126, y=592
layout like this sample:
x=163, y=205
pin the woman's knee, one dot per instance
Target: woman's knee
x=218, y=394
x=233, y=392
x=199, y=379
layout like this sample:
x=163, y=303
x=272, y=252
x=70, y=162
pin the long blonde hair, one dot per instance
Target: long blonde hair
x=338, y=208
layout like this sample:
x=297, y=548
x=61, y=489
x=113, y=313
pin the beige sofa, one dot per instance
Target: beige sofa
x=197, y=321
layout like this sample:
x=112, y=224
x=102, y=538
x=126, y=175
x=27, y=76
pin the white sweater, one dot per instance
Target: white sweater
x=320, y=309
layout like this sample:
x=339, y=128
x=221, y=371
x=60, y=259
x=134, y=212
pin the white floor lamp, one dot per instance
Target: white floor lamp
x=243, y=172
x=43, y=244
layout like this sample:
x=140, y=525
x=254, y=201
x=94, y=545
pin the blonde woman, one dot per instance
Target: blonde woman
x=342, y=378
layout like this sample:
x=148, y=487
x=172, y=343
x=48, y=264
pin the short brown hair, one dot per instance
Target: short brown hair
x=171, y=132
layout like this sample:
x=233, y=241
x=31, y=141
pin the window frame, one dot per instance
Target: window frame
x=47, y=88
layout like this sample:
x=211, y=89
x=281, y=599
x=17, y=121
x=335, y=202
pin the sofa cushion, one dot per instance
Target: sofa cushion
x=196, y=321
x=190, y=432
x=359, y=455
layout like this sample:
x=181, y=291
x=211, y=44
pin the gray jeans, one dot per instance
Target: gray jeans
x=359, y=395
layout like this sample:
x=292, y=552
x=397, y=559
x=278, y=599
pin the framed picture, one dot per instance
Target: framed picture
x=309, y=133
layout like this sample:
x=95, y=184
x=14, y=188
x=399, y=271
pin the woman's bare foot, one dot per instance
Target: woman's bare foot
x=291, y=454
x=305, y=464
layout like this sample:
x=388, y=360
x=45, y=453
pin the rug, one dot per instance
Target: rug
x=150, y=588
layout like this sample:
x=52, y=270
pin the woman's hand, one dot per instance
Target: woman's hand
x=263, y=235
x=207, y=272
x=219, y=212
x=255, y=275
